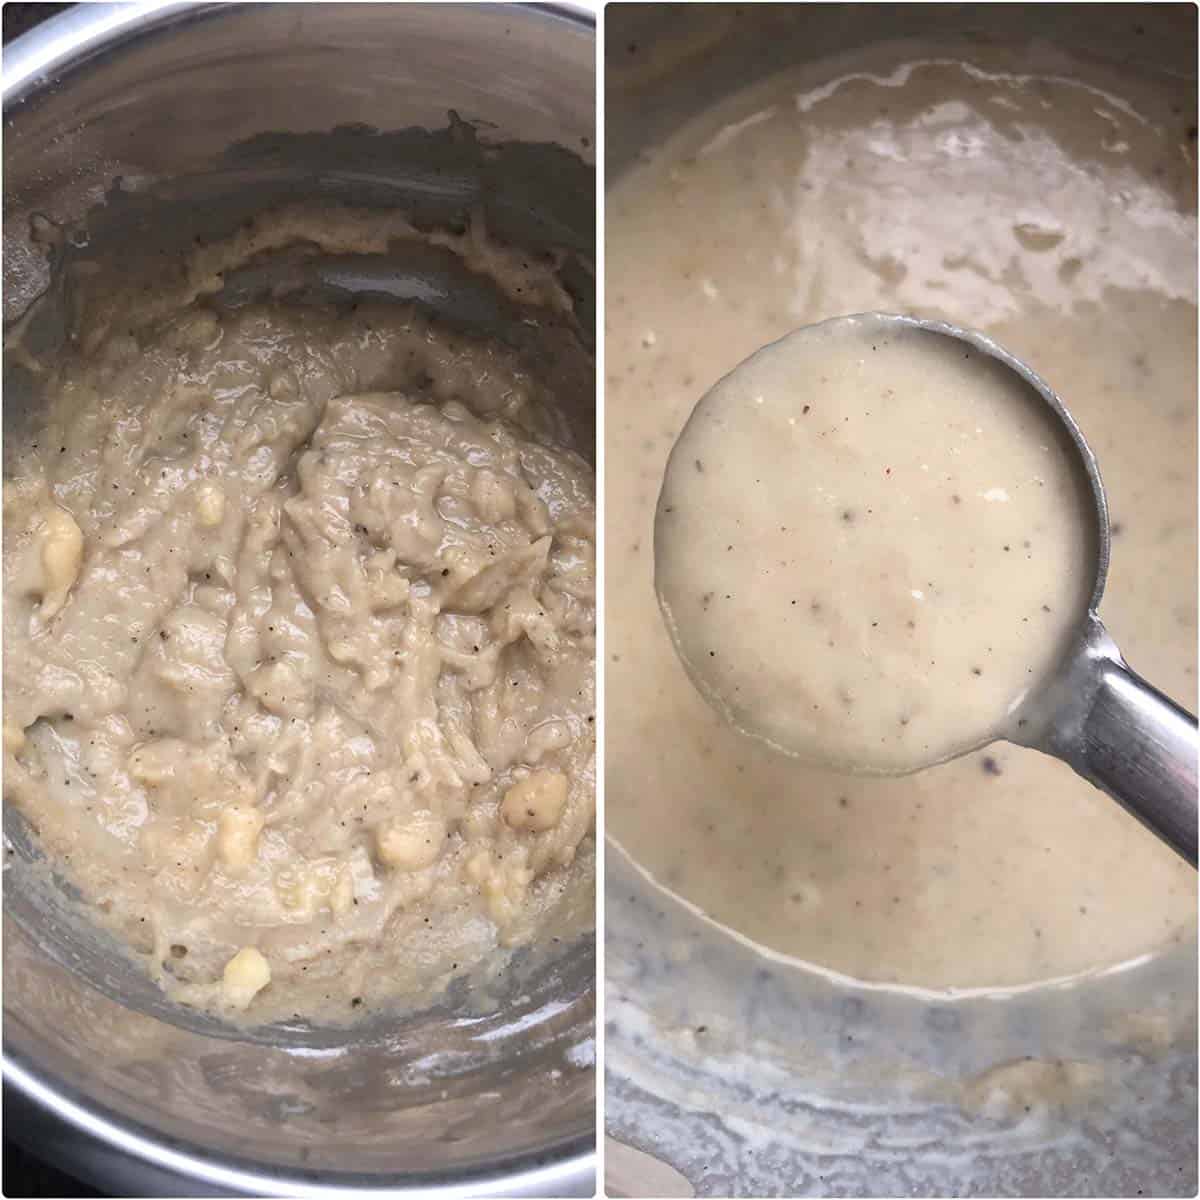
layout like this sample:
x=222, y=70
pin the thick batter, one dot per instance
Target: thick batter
x=299, y=630
x=1054, y=214
x=872, y=544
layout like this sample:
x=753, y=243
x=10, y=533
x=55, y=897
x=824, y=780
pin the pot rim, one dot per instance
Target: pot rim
x=70, y=38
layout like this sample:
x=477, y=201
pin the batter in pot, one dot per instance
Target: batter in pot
x=299, y=629
x=1053, y=211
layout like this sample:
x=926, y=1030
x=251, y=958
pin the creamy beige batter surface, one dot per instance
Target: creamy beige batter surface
x=299, y=628
x=872, y=544
x=1055, y=213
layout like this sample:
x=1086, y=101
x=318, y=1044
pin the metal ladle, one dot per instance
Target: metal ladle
x=1095, y=714
x=1101, y=718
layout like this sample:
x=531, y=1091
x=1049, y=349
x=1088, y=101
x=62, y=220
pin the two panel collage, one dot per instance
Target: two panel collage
x=600, y=600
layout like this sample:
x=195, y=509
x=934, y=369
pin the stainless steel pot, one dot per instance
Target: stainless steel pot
x=164, y=118
x=749, y=1076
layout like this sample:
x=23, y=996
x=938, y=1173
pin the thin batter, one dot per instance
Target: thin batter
x=1056, y=214
x=872, y=544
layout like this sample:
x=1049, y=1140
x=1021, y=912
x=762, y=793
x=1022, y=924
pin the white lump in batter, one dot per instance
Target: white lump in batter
x=299, y=629
x=873, y=542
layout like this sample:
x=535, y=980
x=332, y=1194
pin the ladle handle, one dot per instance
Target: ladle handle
x=1131, y=741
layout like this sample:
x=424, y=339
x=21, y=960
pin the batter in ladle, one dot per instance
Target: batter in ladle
x=873, y=543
